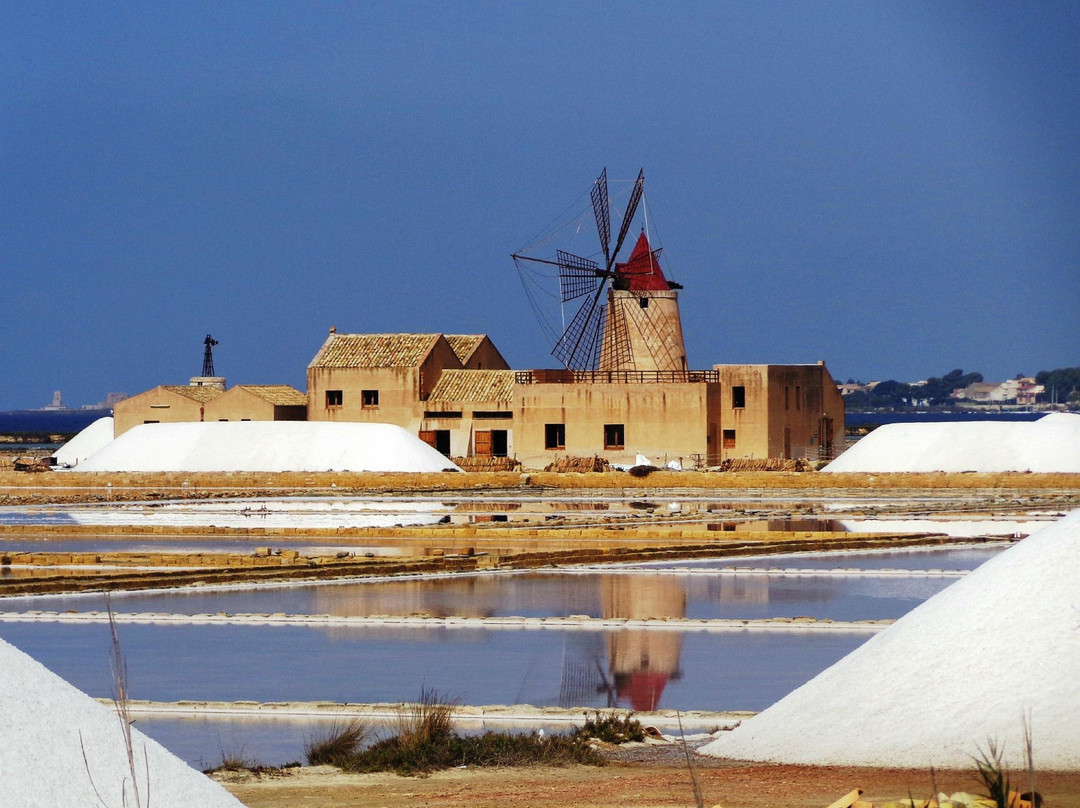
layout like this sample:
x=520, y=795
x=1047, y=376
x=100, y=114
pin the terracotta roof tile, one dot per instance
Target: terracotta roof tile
x=464, y=344
x=374, y=350
x=193, y=392
x=278, y=394
x=474, y=385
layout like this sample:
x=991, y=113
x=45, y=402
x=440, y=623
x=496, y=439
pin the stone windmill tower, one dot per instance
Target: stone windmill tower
x=628, y=315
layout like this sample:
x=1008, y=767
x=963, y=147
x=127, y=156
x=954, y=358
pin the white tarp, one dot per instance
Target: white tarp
x=1050, y=444
x=46, y=728
x=266, y=446
x=964, y=668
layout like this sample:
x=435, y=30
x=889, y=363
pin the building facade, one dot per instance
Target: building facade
x=692, y=418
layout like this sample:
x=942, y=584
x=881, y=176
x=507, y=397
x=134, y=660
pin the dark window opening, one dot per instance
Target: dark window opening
x=491, y=414
x=554, y=436
x=334, y=398
x=798, y=397
x=738, y=397
x=151, y=422
x=614, y=436
x=490, y=443
x=729, y=438
x=369, y=398
x=438, y=439
x=787, y=398
x=442, y=413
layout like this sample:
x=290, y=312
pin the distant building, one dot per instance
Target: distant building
x=182, y=403
x=1021, y=391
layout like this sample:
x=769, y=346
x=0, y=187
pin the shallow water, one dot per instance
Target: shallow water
x=641, y=595
x=643, y=669
x=954, y=557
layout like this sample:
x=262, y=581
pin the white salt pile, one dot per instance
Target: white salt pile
x=1050, y=444
x=965, y=667
x=92, y=439
x=58, y=747
x=266, y=446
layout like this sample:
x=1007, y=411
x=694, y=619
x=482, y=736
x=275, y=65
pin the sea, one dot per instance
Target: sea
x=53, y=422
x=879, y=418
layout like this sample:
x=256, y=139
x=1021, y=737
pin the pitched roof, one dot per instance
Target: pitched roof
x=374, y=350
x=194, y=392
x=464, y=344
x=277, y=394
x=643, y=271
x=474, y=385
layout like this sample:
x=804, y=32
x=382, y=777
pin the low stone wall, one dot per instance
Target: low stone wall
x=442, y=481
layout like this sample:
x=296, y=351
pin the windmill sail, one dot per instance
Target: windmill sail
x=629, y=317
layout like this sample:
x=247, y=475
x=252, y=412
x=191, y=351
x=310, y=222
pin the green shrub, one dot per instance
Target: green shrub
x=611, y=728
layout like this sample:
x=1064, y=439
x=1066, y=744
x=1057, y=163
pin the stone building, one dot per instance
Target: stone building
x=694, y=418
x=196, y=402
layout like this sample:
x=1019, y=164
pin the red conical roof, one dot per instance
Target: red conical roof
x=643, y=271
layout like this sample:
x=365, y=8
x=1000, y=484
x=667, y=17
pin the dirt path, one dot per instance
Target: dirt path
x=623, y=784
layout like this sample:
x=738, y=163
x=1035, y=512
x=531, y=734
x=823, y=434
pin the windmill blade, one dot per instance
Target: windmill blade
x=631, y=209
x=601, y=205
x=579, y=345
x=577, y=276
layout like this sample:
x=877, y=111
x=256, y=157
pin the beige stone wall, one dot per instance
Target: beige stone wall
x=441, y=357
x=662, y=421
x=239, y=404
x=398, y=388
x=486, y=357
x=800, y=398
x=784, y=410
x=159, y=405
x=749, y=422
x=463, y=429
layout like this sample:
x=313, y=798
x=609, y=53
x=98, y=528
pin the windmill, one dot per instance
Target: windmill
x=627, y=315
x=208, y=356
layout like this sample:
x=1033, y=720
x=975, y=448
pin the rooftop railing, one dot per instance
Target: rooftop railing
x=616, y=376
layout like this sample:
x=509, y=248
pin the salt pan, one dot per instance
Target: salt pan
x=267, y=446
x=967, y=666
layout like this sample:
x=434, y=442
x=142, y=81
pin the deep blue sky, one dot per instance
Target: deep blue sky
x=893, y=187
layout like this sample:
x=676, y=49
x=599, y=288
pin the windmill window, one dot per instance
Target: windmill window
x=787, y=398
x=334, y=398
x=738, y=397
x=369, y=399
x=729, y=438
x=614, y=436
x=554, y=436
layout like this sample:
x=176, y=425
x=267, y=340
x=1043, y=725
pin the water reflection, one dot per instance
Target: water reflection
x=642, y=662
x=726, y=671
x=633, y=668
x=748, y=595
